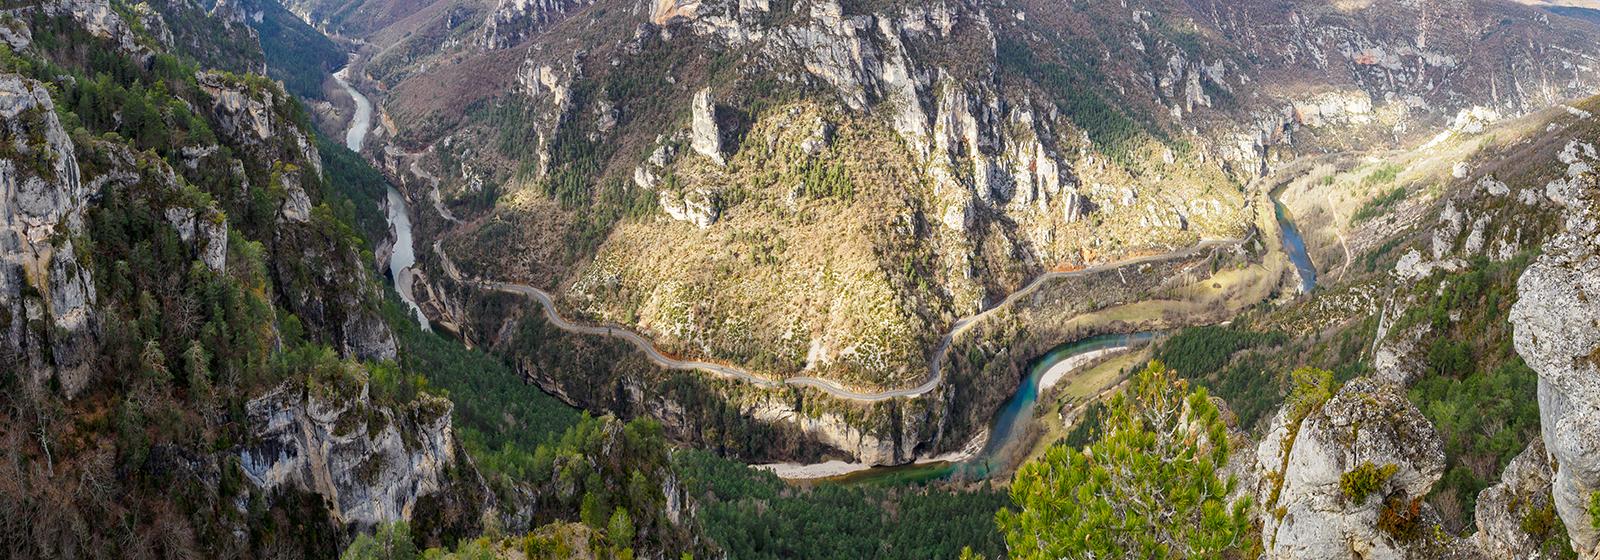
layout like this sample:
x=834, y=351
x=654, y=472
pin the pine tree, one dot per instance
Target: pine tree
x=1148, y=488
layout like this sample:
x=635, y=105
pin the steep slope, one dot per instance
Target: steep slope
x=822, y=190
x=183, y=309
x=1427, y=258
x=1555, y=327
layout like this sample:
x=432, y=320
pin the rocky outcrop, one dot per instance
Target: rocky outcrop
x=372, y=463
x=206, y=231
x=326, y=284
x=99, y=19
x=47, y=297
x=245, y=117
x=1345, y=480
x=705, y=137
x=665, y=11
x=249, y=113
x=1503, y=511
x=154, y=24
x=512, y=21
x=547, y=88
x=1351, y=108
x=697, y=206
x=836, y=431
x=1557, y=324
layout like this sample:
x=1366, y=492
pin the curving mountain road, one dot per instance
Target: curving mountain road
x=936, y=373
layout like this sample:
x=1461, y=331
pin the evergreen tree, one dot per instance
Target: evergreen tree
x=1148, y=488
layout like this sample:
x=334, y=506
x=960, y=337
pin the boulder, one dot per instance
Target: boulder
x=1333, y=484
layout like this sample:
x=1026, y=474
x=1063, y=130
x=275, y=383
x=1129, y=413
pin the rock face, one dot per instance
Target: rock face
x=1367, y=425
x=207, y=232
x=705, y=137
x=47, y=319
x=327, y=287
x=515, y=20
x=245, y=115
x=373, y=464
x=1557, y=323
x=698, y=207
x=249, y=115
x=1524, y=490
x=99, y=19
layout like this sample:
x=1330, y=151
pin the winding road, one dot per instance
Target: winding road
x=936, y=372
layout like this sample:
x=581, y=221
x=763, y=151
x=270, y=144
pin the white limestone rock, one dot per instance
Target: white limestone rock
x=513, y=21
x=706, y=137
x=372, y=464
x=699, y=207
x=1309, y=516
x=211, y=245
x=821, y=137
x=1493, y=186
x=244, y=116
x=1524, y=487
x=100, y=19
x=41, y=280
x=297, y=205
x=1557, y=331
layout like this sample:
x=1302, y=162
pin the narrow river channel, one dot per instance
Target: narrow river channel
x=1008, y=433
x=405, y=252
x=1009, y=426
x=1295, y=246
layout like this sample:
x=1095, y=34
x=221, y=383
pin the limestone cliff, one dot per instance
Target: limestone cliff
x=254, y=120
x=47, y=297
x=1033, y=143
x=1506, y=511
x=512, y=21
x=373, y=463
x=1557, y=321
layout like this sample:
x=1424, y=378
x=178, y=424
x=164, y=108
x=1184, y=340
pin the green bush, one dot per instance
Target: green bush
x=1383, y=175
x=1594, y=510
x=1365, y=479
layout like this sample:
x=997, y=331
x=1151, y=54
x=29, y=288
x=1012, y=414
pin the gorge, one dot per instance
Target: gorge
x=1282, y=279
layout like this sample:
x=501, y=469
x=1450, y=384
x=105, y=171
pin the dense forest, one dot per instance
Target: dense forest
x=754, y=514
x=297, y=55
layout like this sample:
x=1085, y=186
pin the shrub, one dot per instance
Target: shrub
x=1312, y=387
x=1363, y=480
x=1148, y=488
x=1539, y=522
x=1401, y=518
x=1594, y=509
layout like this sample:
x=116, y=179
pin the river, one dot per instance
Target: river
x=1295, y=246
x=1006, y=435
x=1010, y=424
x=405, y=252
